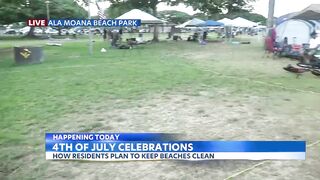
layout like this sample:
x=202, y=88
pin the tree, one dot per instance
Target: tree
x=176, y=17
x=201, y=16
x=20, y=10
x=248, y=15
x=117, y=9
x=234, y=6
x=146, y=5
x=211, y=7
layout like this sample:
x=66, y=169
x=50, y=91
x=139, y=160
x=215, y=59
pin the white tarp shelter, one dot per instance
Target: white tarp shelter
x=138, y=14
x=192, y=23
x=241, y=22
x=312, y=12
x=297, y=31
x=226, y=21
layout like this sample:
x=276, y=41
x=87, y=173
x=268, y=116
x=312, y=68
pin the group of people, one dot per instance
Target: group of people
x=115, y=36
x=200, y=36
x=307, y=51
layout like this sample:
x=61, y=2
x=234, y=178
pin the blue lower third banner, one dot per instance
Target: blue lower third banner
x=94, y=22
x=151, y=146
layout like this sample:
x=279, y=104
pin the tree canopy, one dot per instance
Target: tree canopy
x=20, y=10
x=210, y=7
x=173, y=16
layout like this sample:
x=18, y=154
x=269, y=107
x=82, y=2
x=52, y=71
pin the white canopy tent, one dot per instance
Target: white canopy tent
x=312, y=12
x=297, y=31
x=138, y=14
x=226, y=21
x=183, y=25
x=192, y=23
x=241, y=22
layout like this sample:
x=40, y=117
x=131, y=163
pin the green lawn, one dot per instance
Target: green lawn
x=69, y=79
x=34, y=97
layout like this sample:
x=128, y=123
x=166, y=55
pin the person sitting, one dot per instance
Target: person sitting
x=176, y=37
x=314, y=45
x=282, y=46
x=194, y=37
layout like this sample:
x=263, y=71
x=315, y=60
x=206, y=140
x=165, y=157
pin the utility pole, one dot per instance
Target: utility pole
x=270, y=14
x=48, y=14
x=48, y=11
x=90, y=33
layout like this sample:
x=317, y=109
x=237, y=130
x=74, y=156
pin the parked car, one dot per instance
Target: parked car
x=72, y=31
x=96, y=31
x=143, y=30
x=38, y=31
x=10, y=31
x=64, y=31
x=52, y=31
x=24, y=30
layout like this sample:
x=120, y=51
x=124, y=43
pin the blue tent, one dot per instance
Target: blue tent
x=213, y=23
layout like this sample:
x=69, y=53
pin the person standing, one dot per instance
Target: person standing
x=120, y=35
x=115, y=38
x=104, y=34
x=205, y=34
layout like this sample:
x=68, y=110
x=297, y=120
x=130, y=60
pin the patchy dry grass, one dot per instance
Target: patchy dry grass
x=219, y=91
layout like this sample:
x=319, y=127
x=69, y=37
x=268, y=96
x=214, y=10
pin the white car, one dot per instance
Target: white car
x=143, y=31
x=72, y=31
x=24, y=30
x=38, y=31
x=52, y=31
x=64, y=31
x=10, y=31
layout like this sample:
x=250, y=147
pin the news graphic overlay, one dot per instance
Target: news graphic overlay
x=84, y=22
x=159, y=146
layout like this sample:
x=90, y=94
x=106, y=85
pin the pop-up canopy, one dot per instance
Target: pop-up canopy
x=226, y=21
x=312, y=12
x=213, y=23
x=192, y=23
x=241, y=22
x=138, y=14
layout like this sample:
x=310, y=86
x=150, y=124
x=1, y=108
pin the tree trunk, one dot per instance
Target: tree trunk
x=155, y=34
x=31, y=32
x=155, y=31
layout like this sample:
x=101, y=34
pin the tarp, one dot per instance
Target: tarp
x=285, y=17
x=213, y=23
x=241, y=22
x=138, y=14
x=226, y=21
x=297, y=31
x=312, y=12
x=192, y=23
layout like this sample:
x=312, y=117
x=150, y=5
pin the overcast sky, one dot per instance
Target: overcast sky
x=260, y=6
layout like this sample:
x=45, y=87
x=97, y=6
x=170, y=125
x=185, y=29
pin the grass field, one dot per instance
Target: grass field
x=217, y=91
